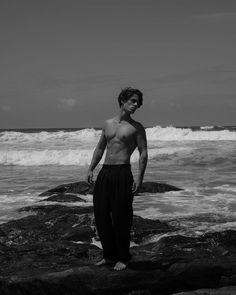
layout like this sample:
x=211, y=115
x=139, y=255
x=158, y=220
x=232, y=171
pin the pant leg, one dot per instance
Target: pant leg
x=122, y=212
x=102, y=215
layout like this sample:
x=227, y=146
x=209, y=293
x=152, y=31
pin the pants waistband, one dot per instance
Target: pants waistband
x=116, y=166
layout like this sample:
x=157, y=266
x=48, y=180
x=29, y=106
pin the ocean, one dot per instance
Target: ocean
x=200, y=160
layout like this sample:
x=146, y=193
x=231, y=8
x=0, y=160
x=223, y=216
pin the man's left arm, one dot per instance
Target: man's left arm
x=143, y=157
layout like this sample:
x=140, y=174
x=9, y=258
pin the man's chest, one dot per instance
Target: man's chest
x=123, y=132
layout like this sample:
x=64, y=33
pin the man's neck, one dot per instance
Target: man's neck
x=123, y=116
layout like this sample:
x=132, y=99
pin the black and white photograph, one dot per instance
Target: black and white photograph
x=118, y=147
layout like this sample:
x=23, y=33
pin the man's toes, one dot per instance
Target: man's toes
x=120, y=266
x=104, y=262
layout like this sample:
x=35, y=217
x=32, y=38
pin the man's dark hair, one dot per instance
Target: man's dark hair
x=128, y=92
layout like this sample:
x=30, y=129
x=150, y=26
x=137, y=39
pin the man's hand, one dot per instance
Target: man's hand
x=136, y=186
x=89, y=177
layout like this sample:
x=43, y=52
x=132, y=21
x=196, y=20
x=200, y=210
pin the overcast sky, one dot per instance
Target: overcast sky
x=63, y=63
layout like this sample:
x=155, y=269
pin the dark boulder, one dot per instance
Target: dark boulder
x=156, y=187
x=81, y=187
x=64, y=197
x=84, y=188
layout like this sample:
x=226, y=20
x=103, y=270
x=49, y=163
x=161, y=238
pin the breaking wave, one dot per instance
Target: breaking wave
x=76, y=147
x=90, y=135
x=171, y=133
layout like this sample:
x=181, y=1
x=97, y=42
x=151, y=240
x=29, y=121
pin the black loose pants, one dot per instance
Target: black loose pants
x=112, y=199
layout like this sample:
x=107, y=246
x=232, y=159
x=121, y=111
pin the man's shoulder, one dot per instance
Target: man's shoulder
x=138, y=125
x=109, y=121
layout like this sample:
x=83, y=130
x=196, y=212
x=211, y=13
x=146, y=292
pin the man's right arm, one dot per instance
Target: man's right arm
x=97, y=155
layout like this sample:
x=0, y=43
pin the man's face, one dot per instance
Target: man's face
x=132, y=104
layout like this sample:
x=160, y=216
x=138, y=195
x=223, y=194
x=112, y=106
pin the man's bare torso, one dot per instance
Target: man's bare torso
x=121, y=140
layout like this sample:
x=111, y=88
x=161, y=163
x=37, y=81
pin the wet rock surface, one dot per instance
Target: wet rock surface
x=220, y=291
x=53, y=251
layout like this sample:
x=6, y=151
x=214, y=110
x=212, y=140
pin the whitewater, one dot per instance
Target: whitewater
x=76, y=148
x=200, y=160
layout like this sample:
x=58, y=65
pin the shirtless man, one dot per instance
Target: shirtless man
x=115, y=187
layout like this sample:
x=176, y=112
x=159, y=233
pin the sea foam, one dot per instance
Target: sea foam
x=76, y=147
x=171, y=133
x=44, y=136
x=89, y=135
x=67, y=157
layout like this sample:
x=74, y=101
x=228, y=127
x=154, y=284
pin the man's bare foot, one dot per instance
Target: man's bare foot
x=104, y=262
x=120, y=265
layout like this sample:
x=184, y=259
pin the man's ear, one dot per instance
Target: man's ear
x=122, y=102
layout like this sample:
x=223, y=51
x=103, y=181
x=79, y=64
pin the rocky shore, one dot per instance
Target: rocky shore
x=53, y=251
